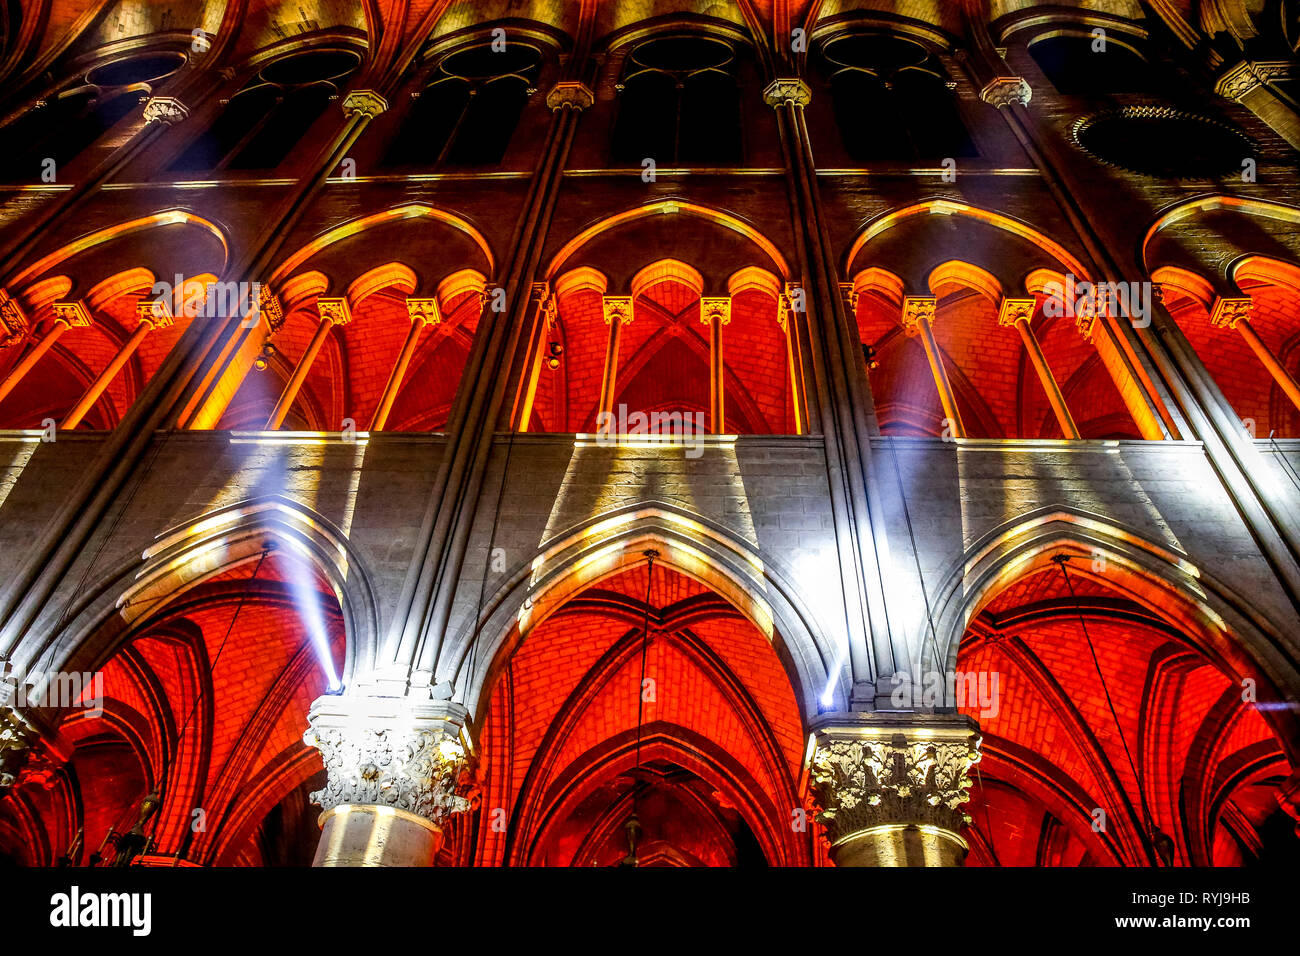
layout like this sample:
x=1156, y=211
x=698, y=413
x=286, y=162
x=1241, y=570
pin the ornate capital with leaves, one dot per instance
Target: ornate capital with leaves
x=366, y=103
x=617, y=308
x=715, y=308
x=787, y=92
x=14, y=325
x=918, y=309
x=17, y=737
x=1002, y=91
x=166, y=110
x=1249, y=75
x=1228, y=312
x=572, y=94
x=1013, y=311
x=374, y=756
x=868, y=775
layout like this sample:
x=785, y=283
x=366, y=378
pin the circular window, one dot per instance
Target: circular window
x=483, y=62
x=682, y=54
x=1160, y=141
x=874, y=51
x=140, y=69
x=311, y=67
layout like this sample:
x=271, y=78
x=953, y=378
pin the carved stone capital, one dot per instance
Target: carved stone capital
x=155, y=312
x=268, y=304
x=1016, y=310
x=787, y=92
x=1228, y=312
x=1248, y=75
x=545, y=299
x=337, y=311
x=166, y=110
x=715, y=307
x=570, y=94
x=918, y=309
x=617, y=307
x=424, y=311
x=14, y=324
x=906, y=770
x=74, y=315
x=17, y=737
x=785, y=306
x=387, y=752
x=364, y=103
x=850, y=296
x=1004, y=91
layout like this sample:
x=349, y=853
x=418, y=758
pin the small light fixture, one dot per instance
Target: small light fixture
x=264, y=358
x=554, y=352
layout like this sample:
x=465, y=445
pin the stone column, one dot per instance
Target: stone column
x=396, y=773
x=332, y=312
x=1019, y=313
x=149, y=316
x=1235, y=314
x=890, y=787
x=618, y=313
x=794, y=361
x=715, y=312
x=1251, y=85
x=918, y=313
x=543, y=311
x=422, y=312
x=67, y=315
x=840, y=397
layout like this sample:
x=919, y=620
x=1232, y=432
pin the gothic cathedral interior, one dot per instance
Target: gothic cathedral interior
x=655, y=433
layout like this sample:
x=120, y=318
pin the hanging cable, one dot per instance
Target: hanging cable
x=988, y=822
x=1151, y=834
x=650, y=556
x=916, y=557
x=1287, y=467
x=180, y=736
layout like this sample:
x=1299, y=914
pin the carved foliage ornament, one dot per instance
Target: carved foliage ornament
x=166, y=110
x=715, y=307
x=364, y=103
x=13, y=320
x=571, y=94
x=617, y=307
x=16, y=737
x=416, y=770
x=1003, y=91
x=425, y=311
x=269, y=305
x=787, y=92
x=1016, y=310
x=1228, y=312
x=1248, y=75
x=862, y=783
x=918, y=309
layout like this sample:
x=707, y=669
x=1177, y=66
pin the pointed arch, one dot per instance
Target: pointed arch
x=761, y=590
x=1226, y=626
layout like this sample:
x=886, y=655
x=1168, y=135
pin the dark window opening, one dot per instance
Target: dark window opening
x=468, y=113
x=1085, y=66
x=69, y=122
x=260, y=126
x=679, y=103
x=892, y=100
